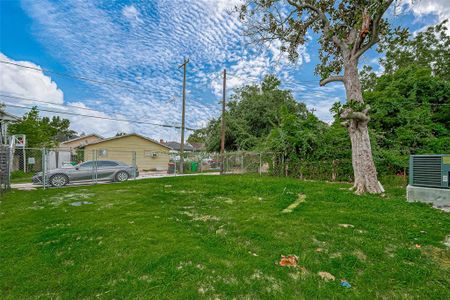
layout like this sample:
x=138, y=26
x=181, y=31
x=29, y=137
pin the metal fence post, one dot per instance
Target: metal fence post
x=260, y=164
x=94, y=166
x=133, y=158
x=44, y=167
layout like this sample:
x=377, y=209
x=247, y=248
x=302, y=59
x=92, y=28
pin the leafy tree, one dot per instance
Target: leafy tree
x=428, y=49
x=410, y=110
x=252, y=113
x=347, y=29
x=42, y=132
x=198, y=136
x=295, y=139
x=410, y=100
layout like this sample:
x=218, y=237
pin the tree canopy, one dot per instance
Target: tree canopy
x=253, y=111
x=42, y=131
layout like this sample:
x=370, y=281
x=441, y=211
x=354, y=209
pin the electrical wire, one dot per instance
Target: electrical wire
x=102, y=118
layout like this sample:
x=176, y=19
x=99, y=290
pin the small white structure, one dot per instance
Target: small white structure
x=57, y=159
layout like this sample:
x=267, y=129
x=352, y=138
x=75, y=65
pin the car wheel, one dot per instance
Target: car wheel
x=122, y=176
x=59, y=180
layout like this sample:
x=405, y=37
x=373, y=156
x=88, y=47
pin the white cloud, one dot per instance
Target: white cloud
x=27, y=83
x=35, y=85
x=440, y=8
x=131, y=13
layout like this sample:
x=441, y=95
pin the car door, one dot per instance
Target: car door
x=83, y=171
x=106, y=169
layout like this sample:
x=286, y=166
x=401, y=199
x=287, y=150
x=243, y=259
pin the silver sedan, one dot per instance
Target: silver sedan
x=101, y=170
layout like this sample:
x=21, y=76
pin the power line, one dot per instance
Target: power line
x=102, y=118
x=51, y=103
x=48, y=102
x=83, y=78
x=66, y=75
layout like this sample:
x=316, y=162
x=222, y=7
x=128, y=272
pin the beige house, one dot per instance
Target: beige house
x=148, y=154
x=80, y=142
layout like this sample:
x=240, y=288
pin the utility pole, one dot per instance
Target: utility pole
x=222, y=125
x=186, y=61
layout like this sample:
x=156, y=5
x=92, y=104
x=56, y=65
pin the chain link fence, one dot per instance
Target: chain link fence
x=47, y=167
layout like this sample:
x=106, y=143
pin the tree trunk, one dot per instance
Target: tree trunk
x=365, y=173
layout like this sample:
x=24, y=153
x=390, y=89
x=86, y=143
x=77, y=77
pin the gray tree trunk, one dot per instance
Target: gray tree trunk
x=365, y=173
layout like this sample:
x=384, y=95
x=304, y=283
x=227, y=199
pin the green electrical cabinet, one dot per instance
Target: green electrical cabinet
x=429, y=170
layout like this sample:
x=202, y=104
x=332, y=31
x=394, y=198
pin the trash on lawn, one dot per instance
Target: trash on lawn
x=79, y=203
x=288, y=261
x=293, y=205
x=446, y=242
x=345, y=283
x=346, y=225
x=319, y=249
x=326, y=276
x=418, y=246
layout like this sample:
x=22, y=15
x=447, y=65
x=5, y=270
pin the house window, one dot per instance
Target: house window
x=102, y=153
x=148, y=153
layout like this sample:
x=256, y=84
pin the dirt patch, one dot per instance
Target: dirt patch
x=293, y=205
x=326, y=276
x=200, y=217
x=360, y=255
x=60, y=199
x=224, y=199
x=346, y=225
x=438, y=255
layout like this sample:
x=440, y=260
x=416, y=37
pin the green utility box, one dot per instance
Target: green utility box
x=428, y=179
x=194, y=166
x=429, y=170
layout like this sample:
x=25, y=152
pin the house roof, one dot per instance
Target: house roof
x=4, y=116
x=198, y=146
x=176, y=146
x=82, y=137
x=127, y=135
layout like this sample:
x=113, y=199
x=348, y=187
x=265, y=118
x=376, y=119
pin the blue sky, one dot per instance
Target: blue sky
x=140, y=44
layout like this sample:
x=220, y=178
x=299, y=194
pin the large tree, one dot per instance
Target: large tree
x=346, y=30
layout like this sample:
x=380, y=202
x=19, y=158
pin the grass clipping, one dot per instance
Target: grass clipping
x=293, y=205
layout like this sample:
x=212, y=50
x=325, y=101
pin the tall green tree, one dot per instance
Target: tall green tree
x=252, y=112
x=346, y=29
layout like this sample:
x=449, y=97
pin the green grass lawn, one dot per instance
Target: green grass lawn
x=21, y=177
x=219, y=236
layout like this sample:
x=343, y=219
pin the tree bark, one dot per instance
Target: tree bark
x=365, y=173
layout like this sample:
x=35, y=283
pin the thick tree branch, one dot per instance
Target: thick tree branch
x=361, y=116
x=331, y=79
x=355, y=115
x=323, y=18
x=374, y=32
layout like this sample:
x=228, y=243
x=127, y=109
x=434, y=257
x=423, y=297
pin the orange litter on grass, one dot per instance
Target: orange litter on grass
x=288, y=261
